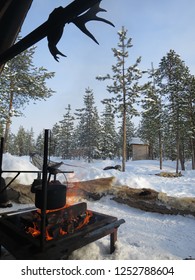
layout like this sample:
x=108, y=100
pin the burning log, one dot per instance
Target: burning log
x=59, y=221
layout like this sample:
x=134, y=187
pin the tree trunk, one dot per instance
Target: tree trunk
x=182, y=156
x=151, y=154
x=124, y=141
x=124, y=112
x=8, y=123
x=177, y=143
x=160, y=149
x=193, y=153
x=177, y=159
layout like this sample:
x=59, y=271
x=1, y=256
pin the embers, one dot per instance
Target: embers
x=58, y=222
x=23, y=246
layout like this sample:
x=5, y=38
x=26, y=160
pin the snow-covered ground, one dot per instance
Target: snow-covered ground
x=144, y=236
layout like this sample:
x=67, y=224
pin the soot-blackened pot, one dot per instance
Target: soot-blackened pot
x=56, y=195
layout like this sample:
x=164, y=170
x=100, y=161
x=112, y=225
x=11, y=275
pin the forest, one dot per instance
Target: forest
x=163, y=98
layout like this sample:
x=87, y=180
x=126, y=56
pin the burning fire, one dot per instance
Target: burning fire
x=73, y=193
x=33, y=230
x=64, y=227
x=56, y=223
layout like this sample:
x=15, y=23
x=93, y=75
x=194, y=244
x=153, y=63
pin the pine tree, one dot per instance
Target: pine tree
x=88, y=129
x=40, y=143
x=20, y=83
x=78, y=151
x=151, y=125
x=190, y=116
x=108, y=133
x=12, y=147
x=124, y=85
x=30, y=141
x=23, y=142
x=130, y=133
x=172, y=79
x=55, y=141
x=66, y=134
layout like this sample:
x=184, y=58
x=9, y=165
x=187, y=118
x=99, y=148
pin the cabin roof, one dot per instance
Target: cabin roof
x=137, y=141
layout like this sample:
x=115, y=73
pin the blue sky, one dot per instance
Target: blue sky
x=155, y=27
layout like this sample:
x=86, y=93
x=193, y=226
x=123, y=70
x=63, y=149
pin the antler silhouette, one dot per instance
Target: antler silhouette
x=80, y=21
x=53, y=28
x=55, y=35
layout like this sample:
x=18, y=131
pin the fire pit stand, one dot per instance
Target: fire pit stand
x=15, y=237
x=23, y=246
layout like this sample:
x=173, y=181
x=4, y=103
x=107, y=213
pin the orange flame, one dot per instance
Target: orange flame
x=73, y=195
x=86, y=220
x=35, y=232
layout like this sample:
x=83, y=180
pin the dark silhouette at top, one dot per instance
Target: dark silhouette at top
x=78, y=12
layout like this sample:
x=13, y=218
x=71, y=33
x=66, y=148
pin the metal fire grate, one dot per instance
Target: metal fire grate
x=21, y=245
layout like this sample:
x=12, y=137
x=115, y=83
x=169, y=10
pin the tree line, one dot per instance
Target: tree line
x=165, y=104
x=82, y=134
x=168, y=116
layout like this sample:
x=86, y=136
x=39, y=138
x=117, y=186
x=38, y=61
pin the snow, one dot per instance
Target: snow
x=136, y=141
x=144, y=235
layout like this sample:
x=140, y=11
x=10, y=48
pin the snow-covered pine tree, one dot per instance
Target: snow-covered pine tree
x=20, y=141
x=11, y=145
x=78, y=152
x=88, y=129
x=20, y=83
x=130, y=133
x=23, y=142
x=30, y=141
x=40, y=143
x=66, y=134
x=190, y=116
x=54, y=140
x=151, y=125
x=108, y=133
x=124, y=85
x=172, y=80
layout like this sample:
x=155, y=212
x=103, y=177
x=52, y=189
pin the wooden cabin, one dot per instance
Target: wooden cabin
x=138, y=149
